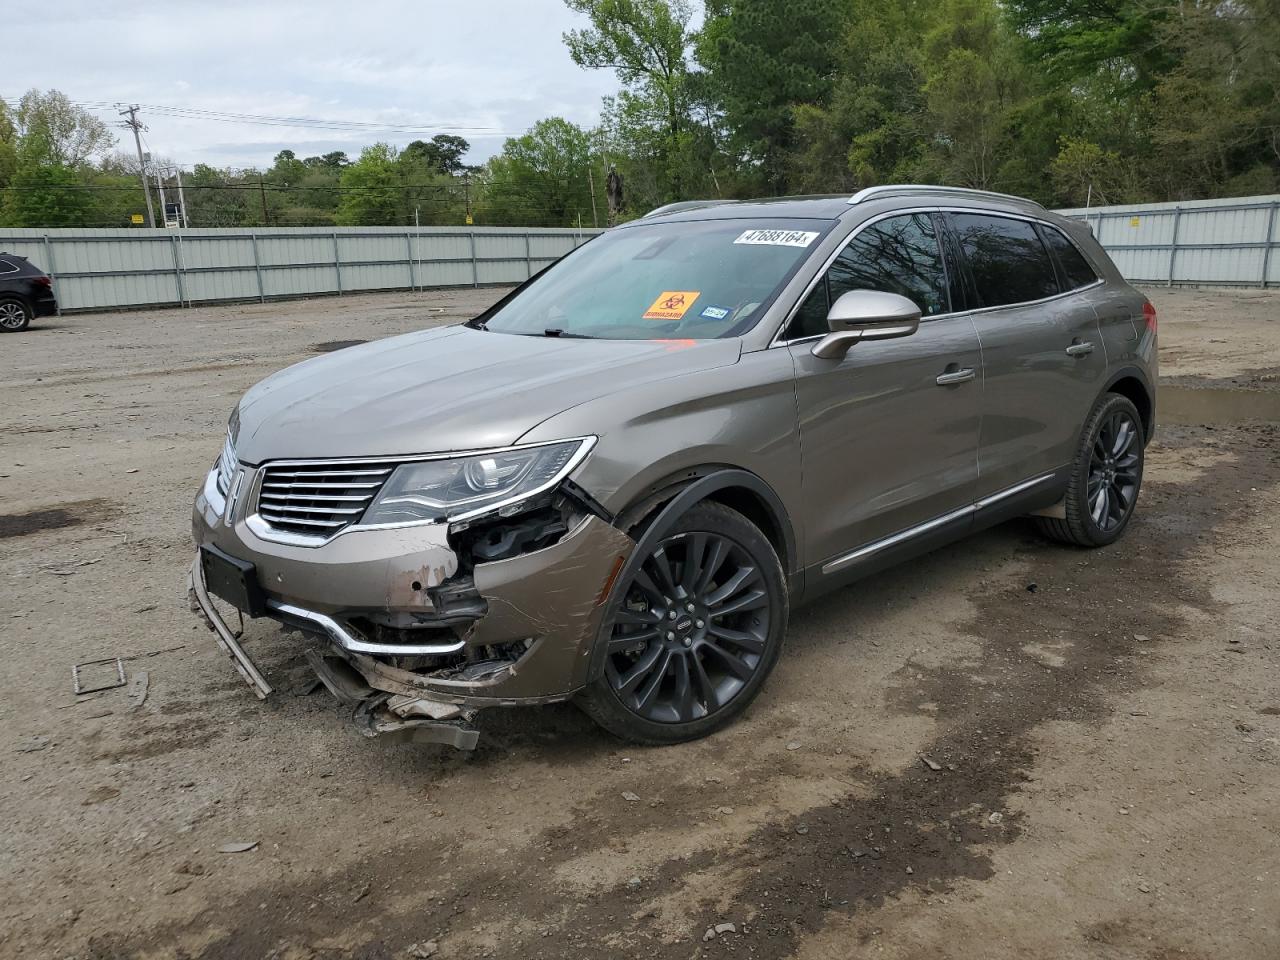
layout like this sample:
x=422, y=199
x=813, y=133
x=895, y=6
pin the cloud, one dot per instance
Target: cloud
x=485, y=69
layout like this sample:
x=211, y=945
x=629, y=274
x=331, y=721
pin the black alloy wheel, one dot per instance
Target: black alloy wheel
x=699, y=627
x=1114, y=471
x=1106, y=476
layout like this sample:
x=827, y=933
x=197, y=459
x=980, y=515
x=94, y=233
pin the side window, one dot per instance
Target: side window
x=1008, y=262
x=1075, y=268
x=7, y=266
x=898, y=255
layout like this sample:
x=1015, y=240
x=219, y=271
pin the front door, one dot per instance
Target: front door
x=889, y=433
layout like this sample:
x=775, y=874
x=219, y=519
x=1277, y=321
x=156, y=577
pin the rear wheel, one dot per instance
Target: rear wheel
x=1105, y=477
x=14, y=314
x=699, y=628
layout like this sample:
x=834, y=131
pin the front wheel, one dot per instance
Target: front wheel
x=699, y=628
x=1105, y=476
x=14, y=315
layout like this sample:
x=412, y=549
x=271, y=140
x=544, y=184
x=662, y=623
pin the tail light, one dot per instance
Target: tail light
x=42, y=281
x=1149, y=315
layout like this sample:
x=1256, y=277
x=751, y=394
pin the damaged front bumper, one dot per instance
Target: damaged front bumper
x=420, y=632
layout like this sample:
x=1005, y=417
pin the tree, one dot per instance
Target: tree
x=443, y=153
x=645, y=43
x=45, y=195
x=370, y=189
x=54, y=131
x=767, y=59
x=541, y=177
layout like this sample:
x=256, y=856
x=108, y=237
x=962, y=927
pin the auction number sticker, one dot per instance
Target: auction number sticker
x=778, y=238
x=671, y=305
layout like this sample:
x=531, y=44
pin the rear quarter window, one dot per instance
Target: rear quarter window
x=1008, y=262
x=1075, y=268
x=7, y=266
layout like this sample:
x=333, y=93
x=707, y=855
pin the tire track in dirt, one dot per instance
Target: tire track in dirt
x=916, y=828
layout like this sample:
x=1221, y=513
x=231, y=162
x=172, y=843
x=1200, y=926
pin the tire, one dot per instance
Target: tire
x=1106, y=476
x=15, y=315
x=679, y=663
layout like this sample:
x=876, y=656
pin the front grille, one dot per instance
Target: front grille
x=226, y=466
x=319, y=499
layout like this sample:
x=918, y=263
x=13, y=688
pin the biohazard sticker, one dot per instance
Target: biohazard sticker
x=778, y=238
x=671, y=305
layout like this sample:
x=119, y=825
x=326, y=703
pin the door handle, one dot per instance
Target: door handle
x=1080, y=349
x=952, y=377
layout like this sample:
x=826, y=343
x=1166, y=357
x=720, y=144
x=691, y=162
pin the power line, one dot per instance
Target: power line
x=311, y=123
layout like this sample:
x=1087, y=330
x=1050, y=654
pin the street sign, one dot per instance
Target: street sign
x=138, y=219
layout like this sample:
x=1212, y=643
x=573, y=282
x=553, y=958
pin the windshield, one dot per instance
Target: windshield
x=691, y=280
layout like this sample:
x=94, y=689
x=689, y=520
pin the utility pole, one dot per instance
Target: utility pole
x=466, y=186
x=262, y=189
x=134, y=124
x=164, y=207
x=182, y=201
x=591, y=182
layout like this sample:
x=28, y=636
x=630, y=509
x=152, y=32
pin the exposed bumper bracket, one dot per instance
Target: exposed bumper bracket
x=228, y=641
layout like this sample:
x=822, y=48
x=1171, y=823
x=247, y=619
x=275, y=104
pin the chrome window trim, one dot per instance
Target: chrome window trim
x=776, y=340
x=843, y=560
x=263, y=530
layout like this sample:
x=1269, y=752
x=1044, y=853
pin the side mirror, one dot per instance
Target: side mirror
x=866, y=315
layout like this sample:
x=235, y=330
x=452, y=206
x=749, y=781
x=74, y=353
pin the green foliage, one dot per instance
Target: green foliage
x=541, y=178
x=765, y=59
x=45, y=195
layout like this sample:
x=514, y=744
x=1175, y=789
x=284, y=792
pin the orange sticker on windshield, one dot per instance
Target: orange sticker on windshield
x=671, y=305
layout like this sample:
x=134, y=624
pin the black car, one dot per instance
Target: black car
x=26, y=292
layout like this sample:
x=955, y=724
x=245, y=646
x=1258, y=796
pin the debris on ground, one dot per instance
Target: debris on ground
x=718, y=930
x=116, y=677
x=793, y=745
x=32, y=744
x=996, y=817
x=138, y=687
x=931, y=764
x=238, y=847
x=802, y=829
x=631, y=797
x=421, y=951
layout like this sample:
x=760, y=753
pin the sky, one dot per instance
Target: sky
x=481, y=69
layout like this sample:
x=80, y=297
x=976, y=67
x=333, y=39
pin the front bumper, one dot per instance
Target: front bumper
x=531, y=642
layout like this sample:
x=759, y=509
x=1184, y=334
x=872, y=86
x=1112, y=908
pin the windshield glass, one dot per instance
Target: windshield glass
x=690, y=280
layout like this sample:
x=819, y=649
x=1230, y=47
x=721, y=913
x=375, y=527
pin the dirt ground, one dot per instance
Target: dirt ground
x=1105, y=725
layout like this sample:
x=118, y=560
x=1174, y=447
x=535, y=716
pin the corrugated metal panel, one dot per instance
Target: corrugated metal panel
x=1233, y=241
x=1218, y=241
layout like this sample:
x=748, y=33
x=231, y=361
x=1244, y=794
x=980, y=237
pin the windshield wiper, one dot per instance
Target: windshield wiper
x=560, y=332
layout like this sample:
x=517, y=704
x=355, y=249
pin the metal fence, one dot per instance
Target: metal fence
x=1212, y=242
x=103, y=269
x=1220, y=242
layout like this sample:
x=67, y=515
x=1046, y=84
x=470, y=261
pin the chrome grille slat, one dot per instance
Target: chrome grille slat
x=333, y=473
x=302, y=508
x=319, y=499
x=327, y=498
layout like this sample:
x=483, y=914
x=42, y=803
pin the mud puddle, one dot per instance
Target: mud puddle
x=33, y=521
x=1195, y=406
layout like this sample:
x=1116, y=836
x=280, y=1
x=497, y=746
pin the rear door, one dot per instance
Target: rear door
x=886, y=444
x=1042, y=354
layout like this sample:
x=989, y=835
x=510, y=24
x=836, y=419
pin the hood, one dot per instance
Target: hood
x=450, y=388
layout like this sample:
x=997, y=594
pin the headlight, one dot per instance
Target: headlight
x=460, y=488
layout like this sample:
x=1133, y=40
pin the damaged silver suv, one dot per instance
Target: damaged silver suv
x=613, y=485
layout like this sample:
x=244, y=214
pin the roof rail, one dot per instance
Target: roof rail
x=888, y=189
x=684, y=205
